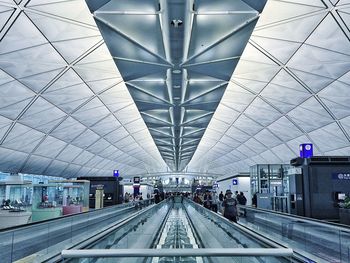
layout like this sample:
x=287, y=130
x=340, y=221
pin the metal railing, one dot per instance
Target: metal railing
x=309, y=237
x=47, y=238
x=196, y=252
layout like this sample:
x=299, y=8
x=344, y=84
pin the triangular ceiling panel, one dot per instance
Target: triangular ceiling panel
x=230, y=41
x=37, y=82
x=43, y=58
x=25, y=30
x=135, y=26
x=280, y=49
x=5, y=14
x=328, y=35
x=68, y=130
x=298, y=29
x=77, y=48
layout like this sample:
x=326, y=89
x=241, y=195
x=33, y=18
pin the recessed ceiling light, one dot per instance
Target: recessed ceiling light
x=177, y=86
x=176, y=98
x=176, y=71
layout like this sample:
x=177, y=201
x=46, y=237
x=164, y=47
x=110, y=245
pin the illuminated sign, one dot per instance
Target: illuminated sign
x=136, y=180
x=235, y=181
x=341, y=176
x=306, y=150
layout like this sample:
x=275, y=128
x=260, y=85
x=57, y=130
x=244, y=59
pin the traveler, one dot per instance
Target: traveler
x=215, y=202
x=230, y=207
x=126, y=197
x=197, y=199
x=242, y=200
x=156, y=197
x=255, y=200
x=221, y=197
x=207, y=200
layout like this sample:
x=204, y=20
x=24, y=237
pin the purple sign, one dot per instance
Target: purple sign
x=306, y=150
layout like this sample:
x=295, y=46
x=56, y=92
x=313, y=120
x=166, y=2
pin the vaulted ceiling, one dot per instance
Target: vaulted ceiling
x=176, y=58
x=71, y=106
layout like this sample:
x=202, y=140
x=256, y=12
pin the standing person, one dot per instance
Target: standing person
x=230, y=207
x=214, y=205
x=242, y=200
x=255, y=200
x=126, y=197
x=221, y=199
x=197, y=199
x=156, y=197
x=207, y=200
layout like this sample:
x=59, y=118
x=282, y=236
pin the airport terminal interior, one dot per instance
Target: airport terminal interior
x=158, y=131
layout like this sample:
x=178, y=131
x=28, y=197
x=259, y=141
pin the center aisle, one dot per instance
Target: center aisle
x=177, y=233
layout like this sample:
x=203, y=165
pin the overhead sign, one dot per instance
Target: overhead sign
x=116, y=173
x=235, y=181
x=136, y=180
x=306, y=150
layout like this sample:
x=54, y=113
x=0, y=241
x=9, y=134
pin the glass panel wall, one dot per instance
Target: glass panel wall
x=270, y=183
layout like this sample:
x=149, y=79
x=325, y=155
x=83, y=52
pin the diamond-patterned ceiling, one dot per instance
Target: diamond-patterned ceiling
x=176, y=58
x=291, y=86
x=65, y=110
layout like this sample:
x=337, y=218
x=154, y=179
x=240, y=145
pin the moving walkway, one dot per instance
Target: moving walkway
x=179, y=232
x=176, y=230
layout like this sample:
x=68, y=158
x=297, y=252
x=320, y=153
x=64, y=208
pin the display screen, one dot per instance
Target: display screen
x=136, y=180
x=341, y=196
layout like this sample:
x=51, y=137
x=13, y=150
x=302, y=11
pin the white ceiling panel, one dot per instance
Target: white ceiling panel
x=320, y=137
x=297, y=67
x=23, y=138
x=66, y=109
x=36, y=164
x=50, y=147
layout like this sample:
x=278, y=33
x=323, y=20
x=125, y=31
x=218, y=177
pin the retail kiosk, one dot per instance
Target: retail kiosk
x=15, y=197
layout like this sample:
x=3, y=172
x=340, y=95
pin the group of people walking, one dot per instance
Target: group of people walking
x=226, y=203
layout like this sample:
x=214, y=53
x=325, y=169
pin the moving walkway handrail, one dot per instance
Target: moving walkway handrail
x=36, y=239
x=306, y=236
x=308, y=220
x=62, y=217
x=238, y=226
x=185, y=252
x=111, y=229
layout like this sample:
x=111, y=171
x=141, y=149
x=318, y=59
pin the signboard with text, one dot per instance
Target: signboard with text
x=306, y=150
x=341, y=176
